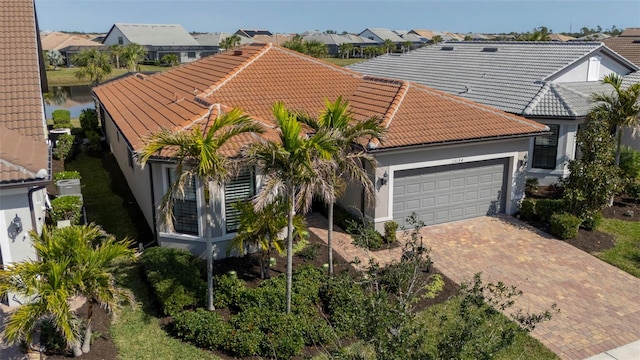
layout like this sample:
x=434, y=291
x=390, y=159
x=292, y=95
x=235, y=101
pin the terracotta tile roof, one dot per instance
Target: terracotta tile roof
x=254, y=77
x=57, y=41
x=627, y=44
x=23, y=148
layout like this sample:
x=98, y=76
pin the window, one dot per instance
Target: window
x=120, y=40
x=191, y=54
x=185, y=210
x=238, y=189
x=545, y=149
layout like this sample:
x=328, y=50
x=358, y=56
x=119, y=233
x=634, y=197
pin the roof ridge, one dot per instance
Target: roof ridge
x=536, y=99
x=397, y=100
x=206, y=93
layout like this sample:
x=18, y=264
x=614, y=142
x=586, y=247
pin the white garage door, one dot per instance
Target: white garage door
x=448, y=193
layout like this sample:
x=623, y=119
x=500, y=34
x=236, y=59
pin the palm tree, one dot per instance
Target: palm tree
x=406, y=46
x=133, y=53
x=199, y=155
x=620, y=108
x=46, y=286
x=337, y=119
x=315, y=48
x=292, y=168
x=389, y=45
x=345, y=49
x=170, y=59
x=262, y=229
x=436, y=39
x=55, y=59
x=116, y=51
x=230, y=42
x=93, y=64
x=90, y=252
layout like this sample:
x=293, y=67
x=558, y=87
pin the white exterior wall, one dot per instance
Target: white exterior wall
x=369, y=35
x=566, y=152
x=112, y=38
x=16, y=247
x=137, y=178
x=580, y=70
x=515, y=150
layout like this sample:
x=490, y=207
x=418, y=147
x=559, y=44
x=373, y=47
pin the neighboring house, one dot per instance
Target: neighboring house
x=332, y=41
x=445, y=35
x=379, y=35
x=25, y=155
x=593, y=37
x=253, y=32
x=160, y=40
x=276, y=39
x=215, y=39
x=549, y=82
x=560, y=37
x=444, y=157
x=626, y=44
x=68, y=44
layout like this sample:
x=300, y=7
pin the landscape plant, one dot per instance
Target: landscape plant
x=89, y=119
x=565, y=225
x=198, y=154
x=132, y=54
x=92, y=64
x=64, y=147
x=55, y=59
x=65, y=175
x=170, y=59
x=66, y=208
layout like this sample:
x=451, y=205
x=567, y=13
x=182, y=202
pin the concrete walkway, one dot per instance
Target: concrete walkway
x=600, y=304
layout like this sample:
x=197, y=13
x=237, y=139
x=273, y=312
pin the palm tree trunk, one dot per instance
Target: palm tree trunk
x=77, y=350
x=330, y=238
x=290, y=247
x=210, y=306
x=86, y=345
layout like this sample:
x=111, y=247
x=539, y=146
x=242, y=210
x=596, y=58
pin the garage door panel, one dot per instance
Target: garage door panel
x=448, y=193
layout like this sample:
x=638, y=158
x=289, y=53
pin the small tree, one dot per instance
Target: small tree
x=92, y=64
x=64, y=147
x=436, y=39
x=170, y=59
x=55, y=59
x=389, y=45
x=89, y=119
x=133, y=53
x=594, y=178
x=345, y=50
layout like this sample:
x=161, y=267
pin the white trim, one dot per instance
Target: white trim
x=5, y=245
x=451, y=161
x=193, y=238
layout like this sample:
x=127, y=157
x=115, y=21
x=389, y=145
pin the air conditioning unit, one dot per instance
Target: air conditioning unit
x=69, y=187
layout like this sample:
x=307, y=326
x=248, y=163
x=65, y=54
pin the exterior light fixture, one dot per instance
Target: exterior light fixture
x=17, y=224
x=384, y=179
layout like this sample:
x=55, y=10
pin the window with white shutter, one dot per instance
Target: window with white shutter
x=239, y=189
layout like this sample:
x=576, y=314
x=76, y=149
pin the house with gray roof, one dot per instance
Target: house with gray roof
x=379, y=35
x=332, y=41
x=160, y=40
x=215, y=39
x=549, y=82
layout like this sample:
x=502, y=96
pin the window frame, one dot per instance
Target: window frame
x=225, y=203
x=548, y=159
x=166, y=181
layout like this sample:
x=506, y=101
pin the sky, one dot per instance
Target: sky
x=296, y=16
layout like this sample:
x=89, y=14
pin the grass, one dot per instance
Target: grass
x=137, y=333
x=67, y=76
x=625, y=255
x=343, y=62
x=107, y=198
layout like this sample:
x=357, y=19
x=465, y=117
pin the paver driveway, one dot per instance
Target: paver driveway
x=599, y=304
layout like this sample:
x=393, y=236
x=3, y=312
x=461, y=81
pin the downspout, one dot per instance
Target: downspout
x=32, y=210
x=153, y=205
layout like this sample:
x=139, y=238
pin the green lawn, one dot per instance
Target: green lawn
x=67, y=76
x=626, y=254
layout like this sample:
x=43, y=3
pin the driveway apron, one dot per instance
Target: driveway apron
x=599, y=304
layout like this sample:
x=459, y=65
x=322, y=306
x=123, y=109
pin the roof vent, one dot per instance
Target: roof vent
x=490, y=49
x=446, y=48
x=237, y=52
x=141, y=76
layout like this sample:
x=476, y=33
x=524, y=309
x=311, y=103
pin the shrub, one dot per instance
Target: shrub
x=545, y=208
x=390, y=228
x=202, y=328
x=592, y=222
x=89, y=120
x=64, y=175
x=630, y=162
x=531, y=186
x=64, y=147
x=634, y=190
x=227, y=290
x=61, y=116
x=94, y=140
x=62, y=125
x=342, y=299
x=365, y=235
x=564, y=225
x=176, y=278
x=528, y=210
x=51, y=339
x=66, y=208
x=309, y=252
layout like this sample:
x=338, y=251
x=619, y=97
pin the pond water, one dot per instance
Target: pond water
x=72, y=98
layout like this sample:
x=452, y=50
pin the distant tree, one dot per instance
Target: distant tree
x=436, y=39
x=296, y=44
x=315, y=48
x=389, y=45
x=468, y=38
x=116, y=51
x=55, y=59
x=330, y=32
x=92, y=64
x=345, y=49
x=230, y=42
x=406, y=46
x=541, y=33
x=170, y=59
x=134, y=53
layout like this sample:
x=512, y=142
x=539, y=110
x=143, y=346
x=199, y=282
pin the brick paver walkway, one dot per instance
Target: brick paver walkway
x=599, y=304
